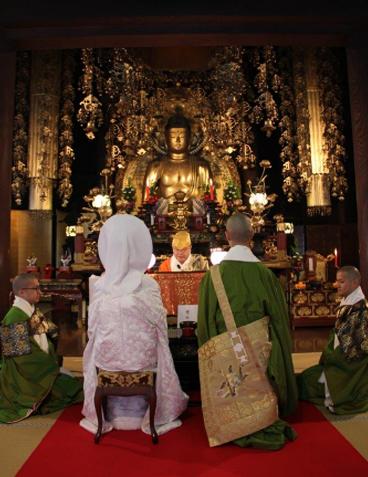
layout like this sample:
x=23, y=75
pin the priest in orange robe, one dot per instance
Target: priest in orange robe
x=182, y=259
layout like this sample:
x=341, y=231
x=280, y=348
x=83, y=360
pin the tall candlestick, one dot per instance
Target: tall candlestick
x=212, y=190
x=152, y=219
x=310, y=265
x=208, y=218
x=336, y=258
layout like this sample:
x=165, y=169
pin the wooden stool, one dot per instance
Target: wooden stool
x=122, y=383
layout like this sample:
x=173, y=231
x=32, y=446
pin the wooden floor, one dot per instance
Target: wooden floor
x=301, y=361
x=72, y=340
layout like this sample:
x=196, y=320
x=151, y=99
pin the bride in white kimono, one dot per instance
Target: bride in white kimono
x=127, y=331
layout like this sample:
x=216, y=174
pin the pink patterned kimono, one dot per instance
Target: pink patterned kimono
x=127, y=331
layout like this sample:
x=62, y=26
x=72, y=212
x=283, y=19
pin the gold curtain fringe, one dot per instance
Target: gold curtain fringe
x=66, y=139
x=319, y=210
x=20, y=137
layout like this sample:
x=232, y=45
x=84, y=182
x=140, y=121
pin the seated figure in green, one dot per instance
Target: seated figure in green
x=30, y=377
x=340, y=380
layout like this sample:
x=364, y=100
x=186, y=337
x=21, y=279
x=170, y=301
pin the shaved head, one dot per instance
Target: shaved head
x=239, y=229
x=347, y=280
x=351, y=273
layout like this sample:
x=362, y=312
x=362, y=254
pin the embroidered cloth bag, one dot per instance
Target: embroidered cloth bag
x=237, y=398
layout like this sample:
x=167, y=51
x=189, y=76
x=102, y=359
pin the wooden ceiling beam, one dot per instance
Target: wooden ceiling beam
x=161, y=31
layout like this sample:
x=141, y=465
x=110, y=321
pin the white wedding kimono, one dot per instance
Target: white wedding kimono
x=127, y=331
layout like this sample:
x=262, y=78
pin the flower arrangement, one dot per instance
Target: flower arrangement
x=151, y=194
x=152, y=200
x=231, y=192
x=128, y=193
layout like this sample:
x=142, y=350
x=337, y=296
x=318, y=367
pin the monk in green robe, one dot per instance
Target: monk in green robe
x=340, y=380
x=30, y=378
x=253, y=291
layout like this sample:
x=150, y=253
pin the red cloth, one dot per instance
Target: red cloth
x=319, y=450
x=178, y=288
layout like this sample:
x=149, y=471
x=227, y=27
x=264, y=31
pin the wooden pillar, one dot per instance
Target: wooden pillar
x=7, y=81
x=357, y=62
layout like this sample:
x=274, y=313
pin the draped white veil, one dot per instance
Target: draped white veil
x=125, y=249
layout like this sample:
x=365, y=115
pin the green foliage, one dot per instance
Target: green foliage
x=128, y=193
x=231, y=191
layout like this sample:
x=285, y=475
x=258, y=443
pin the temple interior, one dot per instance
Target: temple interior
x=183, y=114
x=273, y=111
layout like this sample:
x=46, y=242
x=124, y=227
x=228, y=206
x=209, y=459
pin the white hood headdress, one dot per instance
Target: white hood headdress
x=125, y=249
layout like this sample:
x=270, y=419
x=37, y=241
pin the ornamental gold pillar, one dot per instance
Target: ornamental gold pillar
x=318, y=188
x=43, y=130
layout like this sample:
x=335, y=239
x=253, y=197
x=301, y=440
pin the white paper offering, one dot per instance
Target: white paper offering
x=187, y=313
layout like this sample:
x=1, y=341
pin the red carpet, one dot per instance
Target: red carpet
x=68, y=450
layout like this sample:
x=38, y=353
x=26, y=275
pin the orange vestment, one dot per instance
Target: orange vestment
x=165, y=265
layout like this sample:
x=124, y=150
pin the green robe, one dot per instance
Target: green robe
x=32, y=382
x=347, y=381
x=253, y=292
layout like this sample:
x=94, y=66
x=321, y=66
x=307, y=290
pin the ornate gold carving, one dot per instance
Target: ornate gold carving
x=300, y=298
x=89, y=114
x=317, y=297
x=124, y=379
x=329, y=72
x=266, y=80
x=323, y=310
x=287, y=125
x=303, y=310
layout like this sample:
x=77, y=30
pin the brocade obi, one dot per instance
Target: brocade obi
x=15, y=340
x=125, y=379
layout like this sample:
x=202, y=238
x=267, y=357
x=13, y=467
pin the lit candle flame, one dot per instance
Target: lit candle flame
x=336, y=259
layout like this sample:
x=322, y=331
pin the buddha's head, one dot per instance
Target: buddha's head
x=177, y=133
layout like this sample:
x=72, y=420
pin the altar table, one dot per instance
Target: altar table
x=178, y=288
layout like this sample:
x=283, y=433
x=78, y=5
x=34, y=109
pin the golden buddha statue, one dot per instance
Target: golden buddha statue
x=178, y=171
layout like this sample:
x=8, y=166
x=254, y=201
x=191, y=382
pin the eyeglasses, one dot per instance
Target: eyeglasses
x=32, y=288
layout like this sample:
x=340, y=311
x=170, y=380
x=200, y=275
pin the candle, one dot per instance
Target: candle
x=147, y=192
x=336, y=258
x=310, y=265
x=212, y=190
x=208, y=218
x=152, y=219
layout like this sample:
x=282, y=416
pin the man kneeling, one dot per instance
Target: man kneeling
x=30, y=378
x=246, y=370
x=340, y=380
